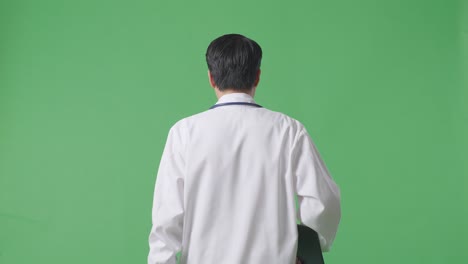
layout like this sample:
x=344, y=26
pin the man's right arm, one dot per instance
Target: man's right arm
x=165, y=238
x=318, y=195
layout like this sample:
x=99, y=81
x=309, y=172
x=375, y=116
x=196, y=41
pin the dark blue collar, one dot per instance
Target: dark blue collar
x=234, y=103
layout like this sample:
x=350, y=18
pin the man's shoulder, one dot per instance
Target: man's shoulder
x=282, y=120
x=186, y=121
x=265, y=113
x=284, y=117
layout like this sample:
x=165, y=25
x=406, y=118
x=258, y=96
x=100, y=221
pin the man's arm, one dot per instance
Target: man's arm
x=165, y=238
x=318, y=195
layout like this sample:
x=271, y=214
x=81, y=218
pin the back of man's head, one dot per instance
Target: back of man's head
x=234, y=61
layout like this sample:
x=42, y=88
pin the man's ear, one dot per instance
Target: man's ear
x=257, y=80
x=211, y=80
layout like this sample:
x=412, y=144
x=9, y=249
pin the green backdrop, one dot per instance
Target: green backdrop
x=89, y=89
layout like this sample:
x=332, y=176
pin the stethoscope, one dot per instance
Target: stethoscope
x=235, y=103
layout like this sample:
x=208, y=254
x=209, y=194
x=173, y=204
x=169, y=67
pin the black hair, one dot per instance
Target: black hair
x=234, y=61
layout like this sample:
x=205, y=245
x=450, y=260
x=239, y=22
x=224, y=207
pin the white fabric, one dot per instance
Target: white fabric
x=226, y=184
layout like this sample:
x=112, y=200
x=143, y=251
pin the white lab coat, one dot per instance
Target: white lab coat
x=226, y=184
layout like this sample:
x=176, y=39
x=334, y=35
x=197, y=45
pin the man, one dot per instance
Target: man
x=227, y=180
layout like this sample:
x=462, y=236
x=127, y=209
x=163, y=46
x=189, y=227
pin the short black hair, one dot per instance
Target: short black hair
x=234, y=61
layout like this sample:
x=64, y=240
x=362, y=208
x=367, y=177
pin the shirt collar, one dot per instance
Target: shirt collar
x=236, y=97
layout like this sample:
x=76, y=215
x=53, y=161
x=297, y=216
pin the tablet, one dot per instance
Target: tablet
x=308, y=249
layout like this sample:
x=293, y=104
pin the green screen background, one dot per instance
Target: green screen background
x=89, y=90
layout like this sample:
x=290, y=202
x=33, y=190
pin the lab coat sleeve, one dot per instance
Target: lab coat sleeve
x=318, y=194
x=165, y=238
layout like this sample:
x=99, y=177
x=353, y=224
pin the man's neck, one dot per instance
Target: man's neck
x=230, y=91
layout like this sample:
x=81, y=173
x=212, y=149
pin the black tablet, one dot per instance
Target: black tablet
x=309, y=250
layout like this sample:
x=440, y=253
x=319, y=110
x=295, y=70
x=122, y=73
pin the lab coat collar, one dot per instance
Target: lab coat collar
x=236, y=97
